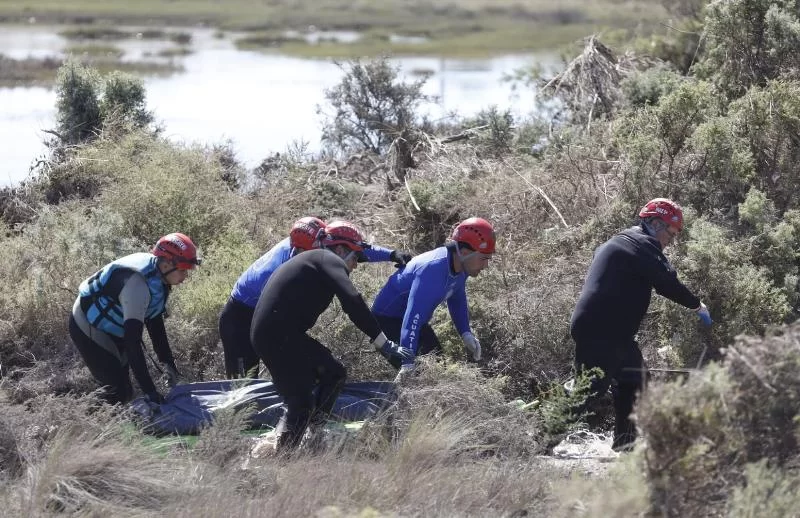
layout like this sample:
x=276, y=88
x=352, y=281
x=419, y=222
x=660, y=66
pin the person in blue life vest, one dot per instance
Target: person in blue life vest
x=613, y=301
x=241, y=360
x=406, y=303
x=115, y=305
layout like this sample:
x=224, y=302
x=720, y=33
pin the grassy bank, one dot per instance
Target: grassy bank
x=461, y=27
x=104, y=58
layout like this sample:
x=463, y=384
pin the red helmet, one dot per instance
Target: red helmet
x=344, y=233
x=666, y=210
x=306, y=232
x=477, y=233
x=178, y=249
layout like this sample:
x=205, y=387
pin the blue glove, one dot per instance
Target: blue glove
x=704, y=315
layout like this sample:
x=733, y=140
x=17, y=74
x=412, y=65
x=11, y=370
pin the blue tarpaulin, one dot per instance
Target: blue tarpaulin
x=190, y=407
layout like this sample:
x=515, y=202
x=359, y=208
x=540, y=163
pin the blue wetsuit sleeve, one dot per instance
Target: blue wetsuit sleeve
x=424, y=296
x=376, y=254
x=459, y=311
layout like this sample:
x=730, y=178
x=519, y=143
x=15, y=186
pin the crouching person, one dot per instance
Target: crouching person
x=405, y=304
x=115, y=305
x=295, y=296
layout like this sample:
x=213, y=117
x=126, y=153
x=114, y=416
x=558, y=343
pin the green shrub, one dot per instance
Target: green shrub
x=196, y=304
x=78, y=117
x=757, y=210
x=86, y=103
x=701, y=433
x=646, y=88
x=742, y=297
x=749, y=42
x=768, y=119
x=371, y=108
x=767, y=491
x=123, y=101
x=496, y=134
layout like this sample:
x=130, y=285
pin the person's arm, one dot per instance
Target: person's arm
x=334, y=270
x=134, y=299
x=133, y=348
x=158, y=335
x=376, y=254
x=656, y=267
x=459, y=311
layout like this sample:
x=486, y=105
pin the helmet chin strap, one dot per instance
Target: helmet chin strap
x=463, y=258
x=164, y=274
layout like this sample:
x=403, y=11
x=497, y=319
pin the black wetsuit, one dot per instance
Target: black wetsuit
x=294, y=297
x=612, y=304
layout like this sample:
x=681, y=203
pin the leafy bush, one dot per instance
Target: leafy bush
x=86, y=103
x=123, y=101
x=78, y=117
x=371, y=108
x=649, y=86
x=733, y=414
x=749, y=43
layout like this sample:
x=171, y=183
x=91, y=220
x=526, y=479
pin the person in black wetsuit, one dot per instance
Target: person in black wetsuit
x=613, y=302
x=237, y=316
x=295, y=296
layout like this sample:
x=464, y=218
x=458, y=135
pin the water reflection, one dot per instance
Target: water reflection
x=261, y=102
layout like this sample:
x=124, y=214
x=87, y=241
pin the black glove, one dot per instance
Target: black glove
x=400, y=258
x=154, y=397
x=396, y=354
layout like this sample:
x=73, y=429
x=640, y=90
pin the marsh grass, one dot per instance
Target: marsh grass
x=103, y=58
x=30, y=71
x=465, y=28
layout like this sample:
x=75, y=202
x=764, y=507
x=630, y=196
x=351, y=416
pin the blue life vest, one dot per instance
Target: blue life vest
x=100, y=292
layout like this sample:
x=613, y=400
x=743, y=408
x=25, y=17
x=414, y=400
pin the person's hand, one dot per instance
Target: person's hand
x=154, y=397
x=400, y=258
x=391, y=350
x=472, y=345
x=394, y=353
x=703, y=314
x=172, y=374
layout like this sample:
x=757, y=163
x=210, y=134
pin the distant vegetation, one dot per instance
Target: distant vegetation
x=454, y=28
x=705, y=113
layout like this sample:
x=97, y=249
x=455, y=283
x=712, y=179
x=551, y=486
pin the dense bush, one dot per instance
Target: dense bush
x=372, y=108
x=723, y=421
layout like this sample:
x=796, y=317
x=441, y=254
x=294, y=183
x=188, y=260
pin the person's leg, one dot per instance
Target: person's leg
x=330, y=375
x=428, y=341
x=630, y=382
x=596, y=354
x=241, y=359
x=294, y=377
x=109, y=371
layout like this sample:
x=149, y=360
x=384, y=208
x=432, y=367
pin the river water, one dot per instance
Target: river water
x=261, y=102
